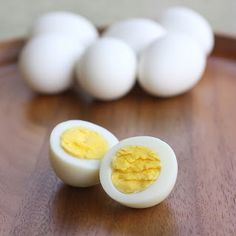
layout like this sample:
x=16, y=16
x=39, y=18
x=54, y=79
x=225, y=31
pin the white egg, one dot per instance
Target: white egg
x=188, y=21
x=107, y=69
x=138, y=33
x=171, y=65
x=67, y=23
x=72, y=170
x=151, y=195
x=47, y=62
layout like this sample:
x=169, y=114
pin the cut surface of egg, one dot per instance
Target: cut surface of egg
x=76, y=149
x=139, y=172
x=47, y=62
x=138, y=33
x=171, y=65
x=70, y=24
x=188, y=21
x=107, y=69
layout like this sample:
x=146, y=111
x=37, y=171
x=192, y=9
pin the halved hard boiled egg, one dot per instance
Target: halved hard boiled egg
x=76, y=149
x=139, y=171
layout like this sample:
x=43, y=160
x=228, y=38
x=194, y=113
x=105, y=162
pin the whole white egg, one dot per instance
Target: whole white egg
x=139, y=171
x=188, y=21
x=70, y=158
x=47, y=62
x=138, y=33
x=67, y=23
x=107, y=69
x=171, y=65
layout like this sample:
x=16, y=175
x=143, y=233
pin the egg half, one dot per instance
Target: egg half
x=76, y=149
x=139, y=172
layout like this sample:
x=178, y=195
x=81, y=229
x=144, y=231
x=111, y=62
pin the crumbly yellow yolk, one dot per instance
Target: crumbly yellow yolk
x=83, y=143
x=134, y=168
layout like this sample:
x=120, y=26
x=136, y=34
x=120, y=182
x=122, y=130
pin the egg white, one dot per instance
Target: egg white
x=72, y=170
x=156, y=192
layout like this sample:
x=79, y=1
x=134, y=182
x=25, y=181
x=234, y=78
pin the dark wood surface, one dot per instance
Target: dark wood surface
x=200, y=125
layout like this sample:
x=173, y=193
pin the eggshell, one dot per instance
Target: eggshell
x=71, y=170
x=67, y=23
x=155, y=193
x=138, y=33
x=171, y=65
x=107, y=69
x=188, y=21
x=47, y=62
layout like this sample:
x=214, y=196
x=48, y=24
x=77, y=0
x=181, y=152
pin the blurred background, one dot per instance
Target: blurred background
x=17, y=15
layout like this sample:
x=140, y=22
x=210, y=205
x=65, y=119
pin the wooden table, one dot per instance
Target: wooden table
x=199, y=125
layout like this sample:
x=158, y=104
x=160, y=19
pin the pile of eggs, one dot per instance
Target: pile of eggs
x=167, y=58
x=137, y=172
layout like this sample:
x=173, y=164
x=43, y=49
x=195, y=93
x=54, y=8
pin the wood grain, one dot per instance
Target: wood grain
x=199, y=125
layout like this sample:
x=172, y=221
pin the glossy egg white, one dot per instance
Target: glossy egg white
x=47, y=62
x=72, y=170
x=155, y=193
x=70, y=24
x=138, y=33
x=171, y=65
x=107, y=69
x=186, y=20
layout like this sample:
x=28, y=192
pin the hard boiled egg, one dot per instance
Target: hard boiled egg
x=76, y=149
x=171, y=65
x=107, y=69
x=47, y=62
x=67, y=23
x=138, y=33
x=190, y=22
x=139, y=172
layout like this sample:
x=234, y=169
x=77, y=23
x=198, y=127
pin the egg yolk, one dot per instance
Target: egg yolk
x=134, y=168
x=83, y=143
